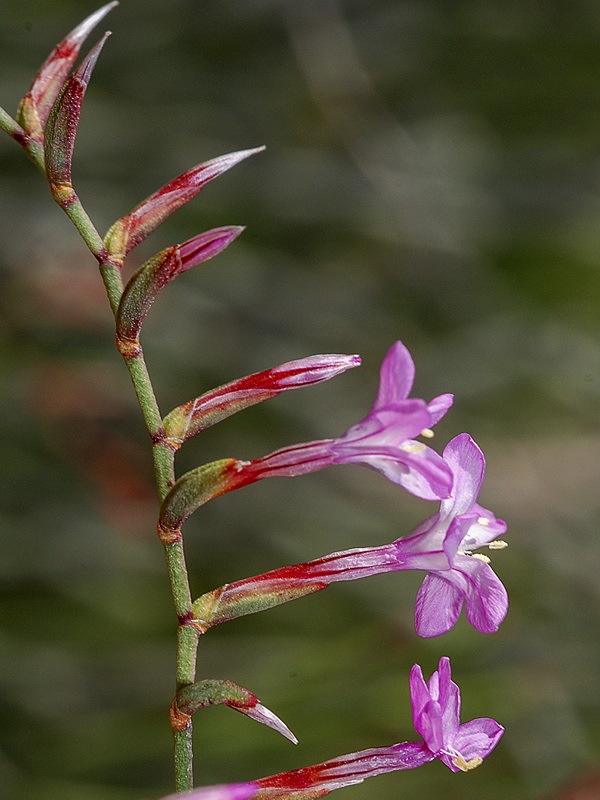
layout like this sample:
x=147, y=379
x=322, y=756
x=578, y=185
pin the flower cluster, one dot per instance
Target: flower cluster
x=390, y=439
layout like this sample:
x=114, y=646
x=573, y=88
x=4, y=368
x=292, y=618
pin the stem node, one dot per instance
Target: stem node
x=129, y=348
x=180, y=721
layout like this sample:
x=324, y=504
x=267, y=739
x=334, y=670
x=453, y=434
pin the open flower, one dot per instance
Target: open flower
x=441, y=545
x=436, y=707
x=436, y=716
x=384, y=440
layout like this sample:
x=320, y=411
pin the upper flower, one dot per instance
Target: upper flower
x=384, y=440
x=436, y=716
x=443, y=546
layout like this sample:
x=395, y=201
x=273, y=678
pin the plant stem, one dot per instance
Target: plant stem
x=187, y=637
x=163, y=457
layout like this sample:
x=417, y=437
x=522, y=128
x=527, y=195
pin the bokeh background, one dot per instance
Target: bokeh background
x=432, y=174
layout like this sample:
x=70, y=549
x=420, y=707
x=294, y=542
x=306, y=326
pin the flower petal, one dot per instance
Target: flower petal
x=423, y=473
x=477, y=738
x=438, y=606
x=468, y=467
x=439, y=406
x=390, y=426
x=486, y=600
x=397, y=376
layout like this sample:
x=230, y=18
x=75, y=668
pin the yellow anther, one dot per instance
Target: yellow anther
x=499, y=544
x=412, y=447
x=466, y=766
x=427, y=433
x=483, y=521
x=481, y=557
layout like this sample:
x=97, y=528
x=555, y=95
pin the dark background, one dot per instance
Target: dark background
x=432, y=174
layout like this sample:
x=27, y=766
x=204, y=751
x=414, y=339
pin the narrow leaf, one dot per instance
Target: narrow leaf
x=151, y=277
x=35, y=107
x=220, y=692
x=129, y=231
x=64, y=118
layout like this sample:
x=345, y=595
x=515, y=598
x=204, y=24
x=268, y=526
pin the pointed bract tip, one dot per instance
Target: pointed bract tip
x=262, y=714
x=79, y=33
x=83, y=72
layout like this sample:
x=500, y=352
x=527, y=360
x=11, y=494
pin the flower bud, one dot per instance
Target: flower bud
x=35, y=107
x=129, y=231
x=190, y=418
x=63, y=121
x=144, y=287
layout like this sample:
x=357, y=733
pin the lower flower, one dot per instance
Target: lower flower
x=435, y=706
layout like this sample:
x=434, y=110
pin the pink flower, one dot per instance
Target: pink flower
x=436, y=707
x=441, y=546
x=384, y=440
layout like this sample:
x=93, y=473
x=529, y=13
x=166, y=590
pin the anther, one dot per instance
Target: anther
x=498, y=544
x=466, y=766
x=412, y=447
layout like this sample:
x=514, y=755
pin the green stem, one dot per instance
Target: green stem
x=87, y=230
x=11, y=126
x=138, y=372
x=113, y=283
x=34, y=150
x=163, y=457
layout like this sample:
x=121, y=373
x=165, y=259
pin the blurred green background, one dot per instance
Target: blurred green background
x=432, y=174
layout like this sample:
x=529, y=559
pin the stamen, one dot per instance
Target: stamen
x=483, y=521
x=412, y=447
x=499, y=544
x=481, y=557
x=427, y=433
x=466, y=766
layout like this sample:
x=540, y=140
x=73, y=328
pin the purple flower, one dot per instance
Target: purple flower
x=443, y=545
x=384, y=440
x=436, y=709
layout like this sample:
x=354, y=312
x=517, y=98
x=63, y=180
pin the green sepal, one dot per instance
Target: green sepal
x=213, y=692
x=142, y=289
x=239, y=599
x=196, y=488
x=184, y=421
